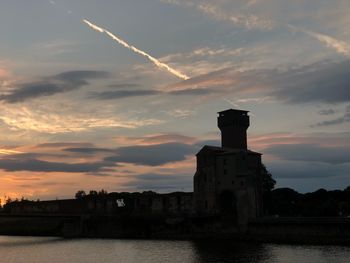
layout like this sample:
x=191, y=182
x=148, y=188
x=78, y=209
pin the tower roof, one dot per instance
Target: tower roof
x=232, y=111
x=224, y=151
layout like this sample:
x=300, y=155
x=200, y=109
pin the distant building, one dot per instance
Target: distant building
x=228, y=178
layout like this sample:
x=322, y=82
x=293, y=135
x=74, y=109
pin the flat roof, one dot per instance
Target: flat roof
x=232, y=110
x=225, y=151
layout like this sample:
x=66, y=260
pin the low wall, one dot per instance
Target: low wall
x=288, y=230
x=36, y=225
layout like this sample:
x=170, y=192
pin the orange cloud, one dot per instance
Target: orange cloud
x=6, y=78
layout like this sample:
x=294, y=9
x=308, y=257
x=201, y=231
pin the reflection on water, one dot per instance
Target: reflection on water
x=36, y=249
x=229, y=251
x=26, y=241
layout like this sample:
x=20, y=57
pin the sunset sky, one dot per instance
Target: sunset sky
x=78, y=110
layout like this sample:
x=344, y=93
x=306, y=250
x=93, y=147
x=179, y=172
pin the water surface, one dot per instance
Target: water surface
x=56, y=250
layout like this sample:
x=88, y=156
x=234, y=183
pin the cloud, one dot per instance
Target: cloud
x=193, y=92
x=263, y=142
x=325, y=82
x=327, y=112
x=90, y=150
x=5, y=151
x=124, y=85
x=294, y=158
x=53, y=157
x=57, y=145
x=339, y=45
x=343, y=119
x=66, y=120
x=314, y=83
x=33, y=90
x=150, y=152
x=306, y=170
x=5, y=74
x=121, y=94
x=34, y=165
x=161, y=182
x=66, y=157
x=152, y=139
x=153, y=155
x=310, y=153
x=80, y=76
x=63, y=82
x=180, y=113
x=239, y=18
x=205, y=52
x=209, y=142
x=238, y=14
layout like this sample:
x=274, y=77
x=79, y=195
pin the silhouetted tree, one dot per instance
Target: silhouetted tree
x=149, y=192
x=268, y=182
x=321, y=203
x=8, y=200
x=80, y=194
x=93, y=192
x=102, y=192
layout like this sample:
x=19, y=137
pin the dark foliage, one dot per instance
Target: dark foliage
x=82, y=194
x=268, y=182
x=321, y=203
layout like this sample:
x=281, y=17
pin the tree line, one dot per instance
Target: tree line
x=81, y=193
x=286, y=202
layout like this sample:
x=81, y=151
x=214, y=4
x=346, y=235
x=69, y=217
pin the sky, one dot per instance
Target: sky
x=125, y=102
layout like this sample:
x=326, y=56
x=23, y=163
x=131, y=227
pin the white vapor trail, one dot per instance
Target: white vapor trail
x=158, y=63
x=338, y=45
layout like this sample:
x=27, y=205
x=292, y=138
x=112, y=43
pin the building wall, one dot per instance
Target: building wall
x=142, y=204
x=228, y=183
x=205, y=181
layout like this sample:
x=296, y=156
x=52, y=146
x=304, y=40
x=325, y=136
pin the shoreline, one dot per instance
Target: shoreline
x=317, y=231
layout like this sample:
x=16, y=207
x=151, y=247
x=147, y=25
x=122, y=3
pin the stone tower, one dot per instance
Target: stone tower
x=233, y=125
x=228, y=179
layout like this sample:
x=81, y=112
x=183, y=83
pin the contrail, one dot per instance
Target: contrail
x=136, y=50
x=339, y=45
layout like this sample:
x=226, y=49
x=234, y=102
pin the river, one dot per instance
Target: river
x=43, y=249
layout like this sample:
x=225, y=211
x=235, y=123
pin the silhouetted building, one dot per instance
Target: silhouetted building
x=233, y=125
x=140, y=204
x=228, y=178
x=227, y=182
